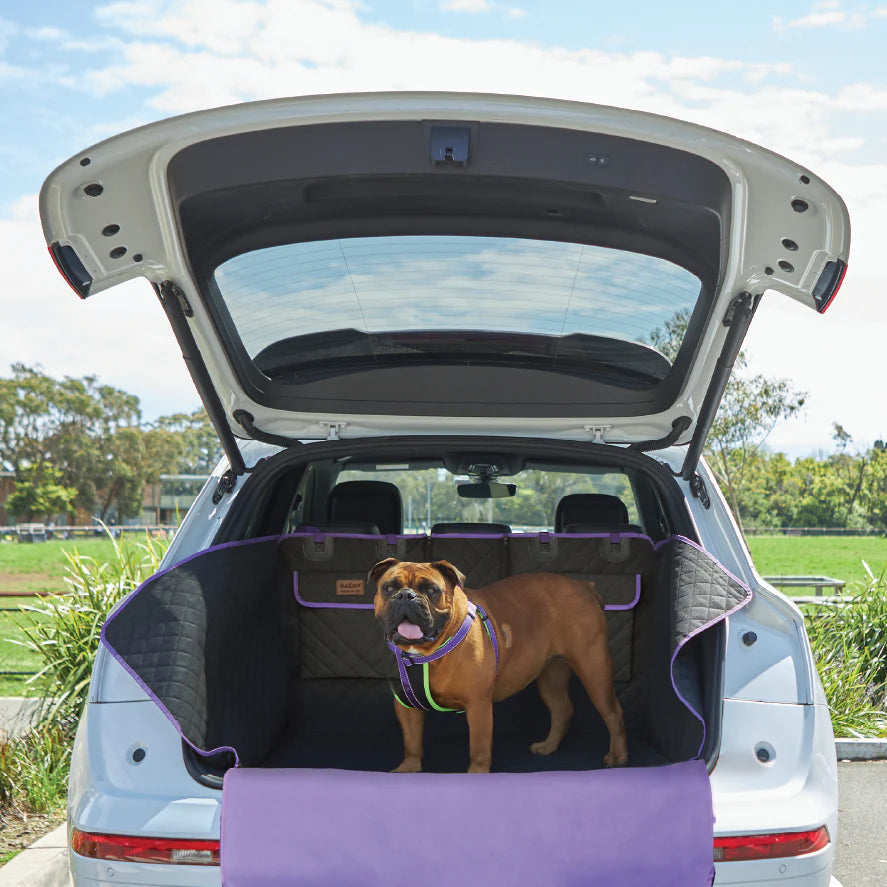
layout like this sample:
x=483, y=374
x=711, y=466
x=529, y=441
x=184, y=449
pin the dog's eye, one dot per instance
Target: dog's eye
x=432, y=591
x=389, y=589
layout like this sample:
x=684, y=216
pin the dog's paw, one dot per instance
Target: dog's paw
x=409, y=766
x=613, y=760
x=546, y=747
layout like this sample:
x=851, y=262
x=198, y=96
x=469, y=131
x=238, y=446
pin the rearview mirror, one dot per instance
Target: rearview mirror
x=490, y=490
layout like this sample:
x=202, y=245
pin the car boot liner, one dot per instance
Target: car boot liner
x=266, y=653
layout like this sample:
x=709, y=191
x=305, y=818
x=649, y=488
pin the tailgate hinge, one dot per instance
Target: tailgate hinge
x=597, y=432
x=168, y=288
x=697, y=488
x=332, y=429
x=743, y=301
x=227, y=482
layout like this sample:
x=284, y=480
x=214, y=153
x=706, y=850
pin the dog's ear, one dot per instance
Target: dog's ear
x=378, y=569
x=452, y=574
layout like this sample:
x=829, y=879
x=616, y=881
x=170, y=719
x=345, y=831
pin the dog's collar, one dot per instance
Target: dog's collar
x=412, y=694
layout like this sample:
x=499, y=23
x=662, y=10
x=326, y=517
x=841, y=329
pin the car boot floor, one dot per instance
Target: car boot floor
x=449, y=754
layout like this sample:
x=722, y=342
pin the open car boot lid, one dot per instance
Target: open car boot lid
x=378, y=264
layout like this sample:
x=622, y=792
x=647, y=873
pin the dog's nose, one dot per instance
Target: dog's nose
x=405, y=594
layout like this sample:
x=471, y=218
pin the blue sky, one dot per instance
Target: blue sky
x=806, y=79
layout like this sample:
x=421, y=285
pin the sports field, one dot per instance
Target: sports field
x=28, y=569
x=840, y=557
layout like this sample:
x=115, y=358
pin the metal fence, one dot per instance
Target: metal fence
x=813, y=531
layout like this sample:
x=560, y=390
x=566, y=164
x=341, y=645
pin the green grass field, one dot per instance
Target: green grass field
x=26, y=569
x=12, y=656
x=840, y=557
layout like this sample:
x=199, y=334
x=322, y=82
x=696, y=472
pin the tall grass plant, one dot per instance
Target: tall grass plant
x=849, y=643
x=63, y=631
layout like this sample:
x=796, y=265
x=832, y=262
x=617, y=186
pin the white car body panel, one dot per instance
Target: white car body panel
x=768, y=698
x=132, y=170
x=771, y=691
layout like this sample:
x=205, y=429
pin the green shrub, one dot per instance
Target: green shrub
x=64, y=631
x=34, y=768
x=850, y=647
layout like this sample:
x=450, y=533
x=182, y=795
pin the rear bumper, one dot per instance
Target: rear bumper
x=811, y=871
x=796, y=791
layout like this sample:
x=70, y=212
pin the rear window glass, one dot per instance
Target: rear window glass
x=429, y=497
x=292, y=305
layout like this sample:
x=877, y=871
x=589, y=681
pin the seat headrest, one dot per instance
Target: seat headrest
x=589, y=508
x=471, y=528
x=367, y=501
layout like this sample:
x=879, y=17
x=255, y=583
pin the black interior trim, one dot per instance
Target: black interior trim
x=305, y=183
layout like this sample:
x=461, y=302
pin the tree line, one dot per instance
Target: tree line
x=73, y=444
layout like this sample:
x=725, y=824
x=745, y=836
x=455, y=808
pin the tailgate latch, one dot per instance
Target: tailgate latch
x=597, y=432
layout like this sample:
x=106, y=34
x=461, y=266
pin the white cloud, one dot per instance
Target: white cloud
x=47, y=33
x=516, y=12
x=832, y=14
x=202, y=53
x=465, y=5
x=819, y=19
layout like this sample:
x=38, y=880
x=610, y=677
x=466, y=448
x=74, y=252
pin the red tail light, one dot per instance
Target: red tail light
x=774, y=846
x=126, y=848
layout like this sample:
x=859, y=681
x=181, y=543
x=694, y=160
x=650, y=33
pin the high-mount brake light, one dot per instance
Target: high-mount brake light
x=130, y=848
x=774, y=846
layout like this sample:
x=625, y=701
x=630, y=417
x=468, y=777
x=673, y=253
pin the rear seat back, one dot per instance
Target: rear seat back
x=483, y=558
x=333, y=618
x=337, y=635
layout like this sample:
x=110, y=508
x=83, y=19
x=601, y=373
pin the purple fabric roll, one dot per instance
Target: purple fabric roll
x=633, y=827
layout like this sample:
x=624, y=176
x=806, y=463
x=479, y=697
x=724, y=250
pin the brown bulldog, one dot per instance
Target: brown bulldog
x=545, y=624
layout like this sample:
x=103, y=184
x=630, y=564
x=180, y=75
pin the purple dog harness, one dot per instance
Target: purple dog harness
x=415, y=688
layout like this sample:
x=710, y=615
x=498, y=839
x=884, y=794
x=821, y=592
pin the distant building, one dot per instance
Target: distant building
x=163, y=504
x=166, y=502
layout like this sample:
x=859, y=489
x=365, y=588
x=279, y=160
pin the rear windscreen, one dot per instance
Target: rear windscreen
x=328, y=306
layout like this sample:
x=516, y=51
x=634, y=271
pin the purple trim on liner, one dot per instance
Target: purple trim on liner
x=165, y=711
x=541, y=536
x=323, y=605
x=129, y=670
x=548, y=536
x=325, y=534
x=687, y=638
x=632, y=604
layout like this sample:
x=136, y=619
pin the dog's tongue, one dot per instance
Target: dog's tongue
x=407, y=629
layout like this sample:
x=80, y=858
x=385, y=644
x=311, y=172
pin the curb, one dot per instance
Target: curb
x=861, y=749
x=43, y=864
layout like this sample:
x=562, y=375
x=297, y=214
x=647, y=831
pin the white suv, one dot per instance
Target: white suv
x=424, y=325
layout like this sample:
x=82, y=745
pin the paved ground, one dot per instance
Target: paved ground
x=862, y=824
x=15, y=714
